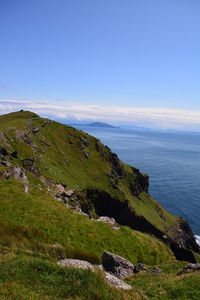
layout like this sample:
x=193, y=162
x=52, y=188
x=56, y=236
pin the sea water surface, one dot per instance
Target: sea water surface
x=172, y=160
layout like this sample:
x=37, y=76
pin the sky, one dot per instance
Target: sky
x=140, y=58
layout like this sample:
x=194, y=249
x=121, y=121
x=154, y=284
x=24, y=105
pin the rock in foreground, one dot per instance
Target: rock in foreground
x=116, y=282
x=81, y=264
x=117, y=265
x=75, y=263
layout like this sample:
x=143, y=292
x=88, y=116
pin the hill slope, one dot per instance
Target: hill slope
x=57, y=161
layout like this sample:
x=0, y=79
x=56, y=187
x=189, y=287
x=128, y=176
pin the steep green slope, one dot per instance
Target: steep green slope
x=35, y=221
x=52, y=153
x=64, y=154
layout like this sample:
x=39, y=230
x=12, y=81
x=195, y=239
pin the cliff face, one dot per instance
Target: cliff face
x=58, y=155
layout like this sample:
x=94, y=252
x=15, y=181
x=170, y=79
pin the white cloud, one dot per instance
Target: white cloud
x=150, y=117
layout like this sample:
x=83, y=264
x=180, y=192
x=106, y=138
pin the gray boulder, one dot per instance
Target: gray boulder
x=117, y=265
x=75, y=263
x=116, y=282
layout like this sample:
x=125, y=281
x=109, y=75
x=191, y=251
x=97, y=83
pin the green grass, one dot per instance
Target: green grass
x=168, y=285
x=25, y=277
x=43, y=220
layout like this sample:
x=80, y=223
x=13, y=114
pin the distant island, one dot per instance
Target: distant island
x=101, y=124
x=97, y=124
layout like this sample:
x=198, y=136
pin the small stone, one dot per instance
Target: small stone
x=116, y=228
x=140, y=267
x=155, y=270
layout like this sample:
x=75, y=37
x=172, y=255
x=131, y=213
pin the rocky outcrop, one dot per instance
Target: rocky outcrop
x=26, y=136
x=190, y=268
x=140, y=183
x=61, y=191
x=29, y=164
x=184, y=237
x=117, y=170
x=117, y=265
x=181, y=245
x=106, y=205
x=110, y=221
x=182, y=241
x=17, y=173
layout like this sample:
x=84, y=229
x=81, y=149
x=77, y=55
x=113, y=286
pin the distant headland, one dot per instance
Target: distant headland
x=96, y=124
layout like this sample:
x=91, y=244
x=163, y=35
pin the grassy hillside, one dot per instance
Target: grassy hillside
x=36, y=230
x=35, y=221
x=64, y=154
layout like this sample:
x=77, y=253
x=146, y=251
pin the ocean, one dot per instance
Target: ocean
x=172, y=160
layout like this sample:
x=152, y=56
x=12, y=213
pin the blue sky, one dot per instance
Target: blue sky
x=125, y=53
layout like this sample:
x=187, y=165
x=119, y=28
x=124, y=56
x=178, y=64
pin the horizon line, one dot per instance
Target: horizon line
x=150, y=117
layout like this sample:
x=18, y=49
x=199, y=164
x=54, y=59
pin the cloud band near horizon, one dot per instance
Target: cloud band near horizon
x=162, y=118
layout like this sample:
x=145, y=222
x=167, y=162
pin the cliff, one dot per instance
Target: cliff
x=77, y=169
